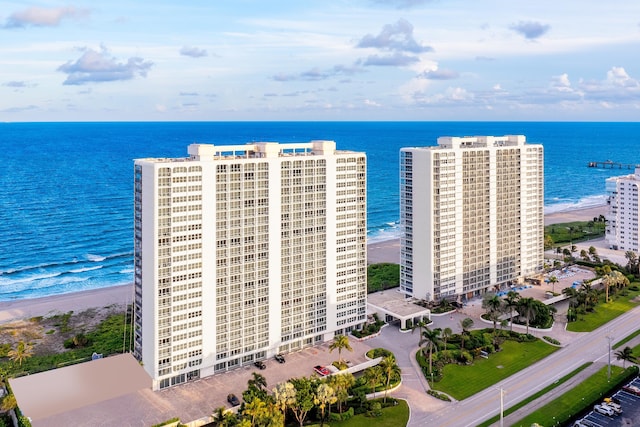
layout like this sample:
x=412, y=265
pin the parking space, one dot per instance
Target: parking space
x=630, y=404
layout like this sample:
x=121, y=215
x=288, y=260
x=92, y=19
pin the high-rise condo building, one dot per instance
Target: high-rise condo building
x=622, y=211
x=471, y=215
x=245, y=251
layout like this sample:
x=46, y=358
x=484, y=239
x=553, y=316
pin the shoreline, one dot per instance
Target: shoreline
x=379, y=251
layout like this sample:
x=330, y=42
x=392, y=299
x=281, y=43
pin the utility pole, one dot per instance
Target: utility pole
x=501, y=407
x=609, y=338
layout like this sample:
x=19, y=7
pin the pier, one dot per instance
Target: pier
x=609, y=164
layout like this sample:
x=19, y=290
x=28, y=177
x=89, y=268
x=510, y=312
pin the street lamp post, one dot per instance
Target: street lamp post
x=609, y=338
x=501, y=407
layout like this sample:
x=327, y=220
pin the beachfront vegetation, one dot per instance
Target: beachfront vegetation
x=26, y=357
x=592, y=390
x=571, y=232
x=382, y=276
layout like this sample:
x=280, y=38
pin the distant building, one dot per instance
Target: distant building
x=471, y=215
x=622, y=211
x=245, y=251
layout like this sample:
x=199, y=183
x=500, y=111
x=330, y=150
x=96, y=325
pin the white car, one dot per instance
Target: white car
x=604, y=410
x=615, y=406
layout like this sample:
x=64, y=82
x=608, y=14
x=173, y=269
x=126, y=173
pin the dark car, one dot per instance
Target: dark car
x=279, y=358
x=233, y=399
x=260, y=364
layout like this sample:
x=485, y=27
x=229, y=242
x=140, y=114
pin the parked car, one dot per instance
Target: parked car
x=233, y=399
x=260, y=364
x=604, y=410
x=321, y=370
x=632, y=389
x=617, y=408
x=279, y=358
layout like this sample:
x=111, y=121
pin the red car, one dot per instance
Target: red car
x=321, y=370
x=632, y=389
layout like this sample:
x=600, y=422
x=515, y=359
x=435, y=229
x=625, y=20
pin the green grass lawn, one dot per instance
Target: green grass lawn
x=603, y=313
x=573, y=402
x=535, y=396
x=463, y=381
x=626, y=339
x=393, y=416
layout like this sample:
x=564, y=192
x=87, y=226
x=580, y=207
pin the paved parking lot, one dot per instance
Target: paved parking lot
x=198, y=399
x=630, y=411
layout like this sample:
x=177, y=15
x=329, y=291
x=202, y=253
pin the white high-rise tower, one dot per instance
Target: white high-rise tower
x=471, y=213
x=245, y=251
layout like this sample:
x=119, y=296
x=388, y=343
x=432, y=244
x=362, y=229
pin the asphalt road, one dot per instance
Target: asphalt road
x=589, y=347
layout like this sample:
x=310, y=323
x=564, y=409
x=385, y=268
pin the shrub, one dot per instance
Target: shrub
x=335, y=417
x=551, y=340
x=379, y=352
x=439, y=395
x=171, y=421
x=4, y=349
x=347, y=414
x=340, y=365
x=465, y=357
x=382, y=276
x=375, y=411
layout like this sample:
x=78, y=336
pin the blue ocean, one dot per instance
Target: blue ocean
x=67, y=188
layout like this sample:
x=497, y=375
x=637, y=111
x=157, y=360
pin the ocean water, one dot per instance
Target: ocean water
x=66, y=200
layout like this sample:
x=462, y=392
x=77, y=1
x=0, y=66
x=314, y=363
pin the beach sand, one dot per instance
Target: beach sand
x=383, y=251
x=59, y=304
x=586, y=214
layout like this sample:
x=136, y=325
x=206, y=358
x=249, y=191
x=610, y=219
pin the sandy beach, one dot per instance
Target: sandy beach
x=383, y=251
x=586, y=214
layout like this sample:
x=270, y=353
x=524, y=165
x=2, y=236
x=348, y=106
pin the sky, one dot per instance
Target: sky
x=320, y=60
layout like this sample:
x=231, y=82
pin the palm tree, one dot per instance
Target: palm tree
x=527, y=309
x=255, y=411
x=390, y=369
x=493, y=305
x=22, y=352
x=626, y=354
x=632, y=261
x=431, y=338
x=446, y=334
x=340, y=342
x=325, y=396
x=584, y=255
x=258, y=381
x=373, y=376
x=512, y=300
x=465, y=324
x=553, y=280
x=223, y=418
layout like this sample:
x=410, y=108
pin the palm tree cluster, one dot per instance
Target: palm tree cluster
x=530, y=310
x=297, y=398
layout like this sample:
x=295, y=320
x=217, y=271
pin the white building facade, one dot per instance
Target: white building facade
x=622, y=211
x=471, y=216
x=245, y=251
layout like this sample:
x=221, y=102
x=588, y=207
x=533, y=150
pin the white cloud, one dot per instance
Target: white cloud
x=94, y=66
x=193, y=52
x=43, y=17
